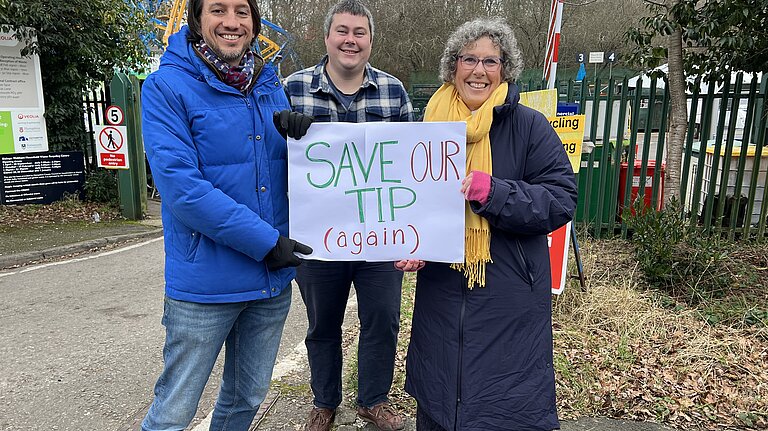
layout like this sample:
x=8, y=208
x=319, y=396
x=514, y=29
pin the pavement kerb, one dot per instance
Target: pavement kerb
x=17, y=259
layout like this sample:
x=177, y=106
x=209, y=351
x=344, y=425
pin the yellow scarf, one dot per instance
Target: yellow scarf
x=445, y=105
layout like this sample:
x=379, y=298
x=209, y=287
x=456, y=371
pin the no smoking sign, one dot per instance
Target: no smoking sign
x=110, y=148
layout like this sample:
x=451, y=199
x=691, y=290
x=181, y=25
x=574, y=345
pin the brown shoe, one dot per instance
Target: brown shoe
x=383, y=415
x=320, y=419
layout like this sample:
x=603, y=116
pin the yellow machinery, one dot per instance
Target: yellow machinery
x=173, y=21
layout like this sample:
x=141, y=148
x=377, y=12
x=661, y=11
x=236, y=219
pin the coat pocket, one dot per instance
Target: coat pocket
x=524, y=263
x=194, y=243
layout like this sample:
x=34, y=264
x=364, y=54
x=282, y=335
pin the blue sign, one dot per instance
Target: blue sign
x=582, y=73
x=567, y=108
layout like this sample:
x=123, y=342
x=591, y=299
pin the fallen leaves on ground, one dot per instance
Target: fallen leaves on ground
x=619, y=353
x=63, y=211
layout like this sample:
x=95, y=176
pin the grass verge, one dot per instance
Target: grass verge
x=622, y=351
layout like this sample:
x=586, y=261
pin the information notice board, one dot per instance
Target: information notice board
x=22, y=108
x=40, y=178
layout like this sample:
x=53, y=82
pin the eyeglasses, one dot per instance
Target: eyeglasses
x=490, y=64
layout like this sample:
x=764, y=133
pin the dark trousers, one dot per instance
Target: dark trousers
x=325, y=288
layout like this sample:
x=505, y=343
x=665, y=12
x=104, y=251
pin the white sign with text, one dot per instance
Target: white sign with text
x=597, y=57
x=22, y=120
x=111, y=147
x=379, y=191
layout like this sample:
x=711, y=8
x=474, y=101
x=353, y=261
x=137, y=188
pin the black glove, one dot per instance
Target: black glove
x=293, y=124
x=281, y=255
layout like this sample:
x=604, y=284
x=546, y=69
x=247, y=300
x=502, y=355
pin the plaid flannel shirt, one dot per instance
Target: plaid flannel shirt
x=381, y=97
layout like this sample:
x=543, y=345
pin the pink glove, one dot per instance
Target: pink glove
x=479, y=188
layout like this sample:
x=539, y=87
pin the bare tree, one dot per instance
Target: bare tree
x=597, y=26
x=529, y=19
x=678, y=117
x=411, y=34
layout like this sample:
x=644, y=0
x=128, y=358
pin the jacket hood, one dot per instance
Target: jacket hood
x=180, y=54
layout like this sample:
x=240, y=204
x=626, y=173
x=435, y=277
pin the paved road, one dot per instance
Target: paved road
x=81, y=344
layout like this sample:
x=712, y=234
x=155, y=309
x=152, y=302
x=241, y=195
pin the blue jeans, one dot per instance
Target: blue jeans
x=325, y=288
x=194, y=334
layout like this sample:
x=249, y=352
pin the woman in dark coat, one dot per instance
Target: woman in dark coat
x=480, y=356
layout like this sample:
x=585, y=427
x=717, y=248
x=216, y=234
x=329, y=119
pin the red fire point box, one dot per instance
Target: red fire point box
x=636, y=185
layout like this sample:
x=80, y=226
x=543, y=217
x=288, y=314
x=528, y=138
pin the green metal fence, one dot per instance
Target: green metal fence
x=723, y=185
x=724, y=166
x=420, y=94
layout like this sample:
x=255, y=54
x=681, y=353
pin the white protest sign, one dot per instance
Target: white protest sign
x=379, y=191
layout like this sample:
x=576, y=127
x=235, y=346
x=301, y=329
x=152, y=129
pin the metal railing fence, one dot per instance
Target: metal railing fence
x=724, y=161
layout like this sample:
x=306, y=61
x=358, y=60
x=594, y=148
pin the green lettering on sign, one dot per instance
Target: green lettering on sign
x=318, y=160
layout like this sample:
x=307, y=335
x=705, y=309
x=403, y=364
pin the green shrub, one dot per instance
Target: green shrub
x=679, y=258
x=80, y=42
x=101, y=186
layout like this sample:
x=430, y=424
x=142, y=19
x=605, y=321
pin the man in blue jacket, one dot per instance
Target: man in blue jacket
x=220, y=166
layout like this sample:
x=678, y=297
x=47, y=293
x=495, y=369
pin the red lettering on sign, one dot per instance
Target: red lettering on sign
x=422, y=154
x=354, y=241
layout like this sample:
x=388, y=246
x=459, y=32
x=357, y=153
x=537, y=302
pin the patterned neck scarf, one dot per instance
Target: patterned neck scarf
x=238, y=76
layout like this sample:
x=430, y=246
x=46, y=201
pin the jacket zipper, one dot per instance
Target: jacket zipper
x=461, y=356
x=246, y=98
x=525, y=263
x=193, y=245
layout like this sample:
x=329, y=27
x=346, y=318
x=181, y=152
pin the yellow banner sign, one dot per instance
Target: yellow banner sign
x=570, y=128
x=544, y=101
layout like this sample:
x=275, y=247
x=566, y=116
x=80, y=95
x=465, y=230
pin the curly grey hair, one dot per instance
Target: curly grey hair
x=352, y=7
x=500, y=34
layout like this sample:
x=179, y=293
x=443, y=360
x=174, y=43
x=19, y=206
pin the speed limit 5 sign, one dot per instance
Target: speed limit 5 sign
x=114, y=115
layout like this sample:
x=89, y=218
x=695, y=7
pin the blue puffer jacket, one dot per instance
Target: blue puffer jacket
x=221, y=169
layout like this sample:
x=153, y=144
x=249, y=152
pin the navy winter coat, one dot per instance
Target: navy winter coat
x=481, y=359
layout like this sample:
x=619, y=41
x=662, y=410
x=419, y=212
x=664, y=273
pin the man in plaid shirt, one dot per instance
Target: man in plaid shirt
x=344, y=87
x=351, y=96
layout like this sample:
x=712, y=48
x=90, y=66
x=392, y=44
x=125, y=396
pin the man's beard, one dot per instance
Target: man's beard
x=230, y=55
